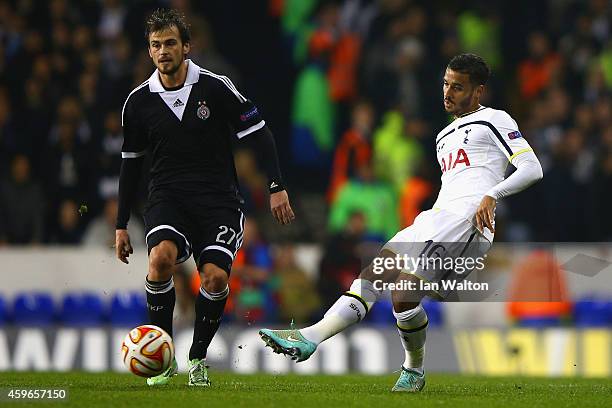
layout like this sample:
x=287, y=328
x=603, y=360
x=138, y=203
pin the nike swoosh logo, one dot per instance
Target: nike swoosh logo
x=291, y=338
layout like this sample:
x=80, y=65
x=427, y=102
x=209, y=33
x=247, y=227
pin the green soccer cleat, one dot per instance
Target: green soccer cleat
x=198, y=373
x=165, y=377
x=288, y=342
x=409, y=381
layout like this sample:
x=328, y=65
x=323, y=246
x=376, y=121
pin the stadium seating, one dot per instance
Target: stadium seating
x=128, y=309
x=3, y=311
x=382, y=313
x=33, y=309
x=82, y=309
x=592, y=311
x=540, y=322
x=435, y=313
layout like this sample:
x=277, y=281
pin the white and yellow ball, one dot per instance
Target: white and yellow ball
x=147, y=351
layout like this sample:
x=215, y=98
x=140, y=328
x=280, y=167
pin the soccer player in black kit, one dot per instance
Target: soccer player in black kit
x=185, y=117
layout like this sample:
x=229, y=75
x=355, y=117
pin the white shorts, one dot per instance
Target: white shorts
x=440, y=234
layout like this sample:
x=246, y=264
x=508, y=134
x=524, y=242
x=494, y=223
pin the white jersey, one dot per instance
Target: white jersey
x=473, y=152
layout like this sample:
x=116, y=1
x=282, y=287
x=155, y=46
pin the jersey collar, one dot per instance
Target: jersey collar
x=193, y=75
x=463, y=115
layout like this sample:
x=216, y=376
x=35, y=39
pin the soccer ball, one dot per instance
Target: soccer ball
x=147, y=351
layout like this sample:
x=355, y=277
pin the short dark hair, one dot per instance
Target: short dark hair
x=473, y=65
x=162, y=19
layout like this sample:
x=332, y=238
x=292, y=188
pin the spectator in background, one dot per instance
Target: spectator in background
x=417, y=195
x=341, y=261
x=540, y=69
x=396, y=152
x=353, y=150
x=9, y=140
x=296, y=26
x=142, y=68
x=342, y=30
x=60, y=56
x=184, y=308
x=21, y=206
x=603, y=112
x=69, y=110
x=23, y=55
x=112, y=17
x=34, y=121
x=605, y=64
x=68, y=228
x=298, y=299
x=563, y=175
x=252, y=283
x=204, y=53
x=375, y=199
x=312, y=120
x=578, y=48
x=117, y=60
x=314, y=116
x=109, y=156
x=409, y=55
x=549, y=114
x=90, y=98
x=601, y=194
x=252, y=183
x=479, y=32
x=66, y=169
x=101, y=230
x=82, y=38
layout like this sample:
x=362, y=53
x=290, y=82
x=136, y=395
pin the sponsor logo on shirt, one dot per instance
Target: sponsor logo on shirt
x=460, y=158
x=514, y=135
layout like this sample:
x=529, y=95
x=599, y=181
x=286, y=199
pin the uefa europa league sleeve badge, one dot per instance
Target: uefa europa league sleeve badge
x=203, y=110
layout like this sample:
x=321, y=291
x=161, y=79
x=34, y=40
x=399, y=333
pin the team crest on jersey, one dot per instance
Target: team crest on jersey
x=467, y=132
x=514, y=135
x=203, y=110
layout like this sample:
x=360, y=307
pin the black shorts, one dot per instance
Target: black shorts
x=212, y=235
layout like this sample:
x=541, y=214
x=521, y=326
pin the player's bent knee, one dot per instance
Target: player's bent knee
x=410, y=295
x=161, y=261
x=214, y=279
x=380, y=269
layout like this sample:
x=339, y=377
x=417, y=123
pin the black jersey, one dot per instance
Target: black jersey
x=189, y=132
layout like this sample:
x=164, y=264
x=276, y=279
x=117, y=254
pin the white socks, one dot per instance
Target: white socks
x=412, y=327
x=350, y=308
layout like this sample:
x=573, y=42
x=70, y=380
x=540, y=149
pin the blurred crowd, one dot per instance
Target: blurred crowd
x=356, y=138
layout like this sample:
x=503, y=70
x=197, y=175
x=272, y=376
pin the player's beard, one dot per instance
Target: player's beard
x=172, y=70
x=463, y=106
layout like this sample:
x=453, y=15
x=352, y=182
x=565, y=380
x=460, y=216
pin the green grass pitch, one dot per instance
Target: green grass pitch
x=231, y=390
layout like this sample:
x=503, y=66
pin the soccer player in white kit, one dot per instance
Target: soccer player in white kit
x=473, y=152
